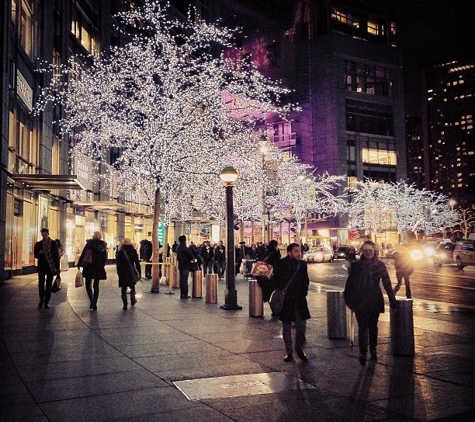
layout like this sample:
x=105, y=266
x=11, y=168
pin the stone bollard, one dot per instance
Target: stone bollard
x=211, y=288
x=197, y=287
x=256, y=305
x=402, y=328
x=336, y=314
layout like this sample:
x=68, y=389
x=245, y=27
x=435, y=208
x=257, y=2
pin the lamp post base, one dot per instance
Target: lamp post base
x=230, y=301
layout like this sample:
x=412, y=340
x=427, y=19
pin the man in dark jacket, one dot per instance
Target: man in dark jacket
x=146, y=249
x=46, y=252
x=186, y=263
x=295, y=303
x=220, y=258
x=207, y=256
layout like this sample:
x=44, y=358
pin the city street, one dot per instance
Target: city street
x=448, y=288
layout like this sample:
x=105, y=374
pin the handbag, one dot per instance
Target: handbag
x=64, y=263
x=79, y=282
x=87, y=258
x=133, y=269
x=262, y=269
x=276, y=301
x=56, y=286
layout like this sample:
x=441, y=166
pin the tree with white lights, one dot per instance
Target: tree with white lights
x=169, y=103
x=379, y=206
x=466, y=221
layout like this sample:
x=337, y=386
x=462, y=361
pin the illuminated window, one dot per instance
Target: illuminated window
x=83, y=30
x=378, y=156
x=349, y=19
x=373, y=80
x=375, y=28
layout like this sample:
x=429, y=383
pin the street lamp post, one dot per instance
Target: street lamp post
x=264, y=148
x=229, y=176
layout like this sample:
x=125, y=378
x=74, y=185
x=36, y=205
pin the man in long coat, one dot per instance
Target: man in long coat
x=295, y=303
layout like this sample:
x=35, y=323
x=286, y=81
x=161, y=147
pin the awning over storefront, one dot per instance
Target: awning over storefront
x=48, y=182
x=103, y=206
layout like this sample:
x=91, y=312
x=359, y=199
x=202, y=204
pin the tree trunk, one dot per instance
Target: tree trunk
x=155, y=253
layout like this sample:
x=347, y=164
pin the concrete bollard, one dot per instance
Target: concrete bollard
x=402, y=328
x=197, y=286
x=256, y=305
x=336, y=314
x=211, y=288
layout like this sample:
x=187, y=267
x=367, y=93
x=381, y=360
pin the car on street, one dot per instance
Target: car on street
x=318, y=254
x=340, y=252
x=464, y=253
x=444, y=254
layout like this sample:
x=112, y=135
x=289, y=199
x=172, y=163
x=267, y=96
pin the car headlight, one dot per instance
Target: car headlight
x=429, y=252
x=416, y=255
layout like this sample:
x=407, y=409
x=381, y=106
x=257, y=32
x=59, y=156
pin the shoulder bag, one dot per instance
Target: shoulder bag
x=277, y=297
x=133, y=269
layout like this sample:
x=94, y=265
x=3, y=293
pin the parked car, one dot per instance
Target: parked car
x=444, y=254
x=340, y=252
x=318, y=254
x=464, y=253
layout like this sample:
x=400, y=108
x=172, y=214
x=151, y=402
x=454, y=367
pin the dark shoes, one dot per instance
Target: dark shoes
x=362, y=360
x=46, y=306
x=184, y=297
x=133, y=302
x=288, y=357
x=40, y=305
x=374, y=355
x=124, y=307
x=301, y=354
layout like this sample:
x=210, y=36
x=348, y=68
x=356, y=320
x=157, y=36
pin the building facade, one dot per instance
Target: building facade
x=40, y=185
x=448, y=132
x=343, y=62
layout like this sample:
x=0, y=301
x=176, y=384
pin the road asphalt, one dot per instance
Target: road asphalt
x=172, y=359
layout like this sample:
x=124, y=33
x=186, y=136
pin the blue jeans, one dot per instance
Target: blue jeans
x=184, y=282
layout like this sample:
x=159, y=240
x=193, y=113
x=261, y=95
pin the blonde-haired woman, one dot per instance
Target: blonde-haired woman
x=128, y=270
x=93, y=261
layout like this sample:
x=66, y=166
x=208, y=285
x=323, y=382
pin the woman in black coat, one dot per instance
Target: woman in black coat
x=363, y=296
x=128, y=270
x=272, y=256
x=93, y=261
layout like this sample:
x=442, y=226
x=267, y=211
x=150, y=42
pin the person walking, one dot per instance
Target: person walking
x=207, y=255
x=404, y=268
x=363, y=295
x=186, y=263
x=295, y=302
x=220, y=258
x=350, y=256
x=271, y=256
x=93, y=261
x=46, y=252
x=128, y=265
x=146, y=249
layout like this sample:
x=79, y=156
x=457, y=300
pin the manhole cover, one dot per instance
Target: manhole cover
x=240, y=385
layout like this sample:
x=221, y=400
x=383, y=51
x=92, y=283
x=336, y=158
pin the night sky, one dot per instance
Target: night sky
x=431, y=31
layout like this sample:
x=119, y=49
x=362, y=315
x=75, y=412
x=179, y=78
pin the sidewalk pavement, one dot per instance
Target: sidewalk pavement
x=170, y=359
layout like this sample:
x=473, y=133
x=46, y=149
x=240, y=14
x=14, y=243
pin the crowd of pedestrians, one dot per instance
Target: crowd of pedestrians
x=363, y=294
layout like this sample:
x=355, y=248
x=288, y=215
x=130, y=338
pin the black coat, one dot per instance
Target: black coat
x=42, y=262
x=124, y=270
x=185, y=258
x=96, y=270
x=362, y=288
x=296, y=295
